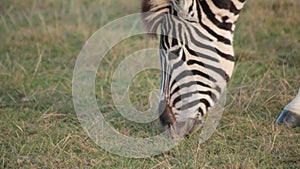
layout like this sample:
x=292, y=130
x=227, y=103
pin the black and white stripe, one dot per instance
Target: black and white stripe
x=196, y=55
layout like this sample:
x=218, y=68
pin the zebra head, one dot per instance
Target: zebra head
x=196, y=56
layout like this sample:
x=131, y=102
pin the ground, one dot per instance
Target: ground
x=40, y=42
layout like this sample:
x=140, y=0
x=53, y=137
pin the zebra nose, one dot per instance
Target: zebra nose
x=288, y=118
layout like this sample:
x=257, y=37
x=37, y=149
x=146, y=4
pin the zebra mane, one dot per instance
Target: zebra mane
x=154, y=10
x=152, y=13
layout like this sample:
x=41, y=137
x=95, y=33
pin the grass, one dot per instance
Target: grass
x=39, y=128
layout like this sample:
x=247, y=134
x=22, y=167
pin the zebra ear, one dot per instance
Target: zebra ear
x=146, y=6
x=152, y=14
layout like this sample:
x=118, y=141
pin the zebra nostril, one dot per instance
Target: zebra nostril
x=224, y=18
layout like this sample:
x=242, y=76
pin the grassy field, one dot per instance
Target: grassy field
x=40, y=42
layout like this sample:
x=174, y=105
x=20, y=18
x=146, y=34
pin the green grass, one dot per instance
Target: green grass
x=40, y=42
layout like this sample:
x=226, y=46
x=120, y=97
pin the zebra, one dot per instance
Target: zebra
x=197, y=59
